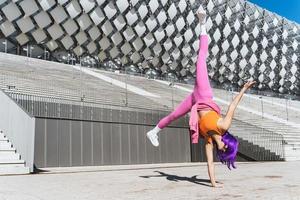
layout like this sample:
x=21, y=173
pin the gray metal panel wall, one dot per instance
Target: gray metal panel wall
x=63, y=142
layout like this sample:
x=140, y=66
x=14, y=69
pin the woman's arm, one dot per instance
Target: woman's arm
x=225, y=123
x=210, y=163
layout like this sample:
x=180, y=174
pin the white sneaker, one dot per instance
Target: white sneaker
x=152, y=136
x=201, y=15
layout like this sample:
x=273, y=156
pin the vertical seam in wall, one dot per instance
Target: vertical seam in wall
x=70, y=142
x=111, y=143
x=81, y=143
x=58, y=142
x=120, y=140
x=101, y=137
x=145, y=144
x=145, y=140
x=166, y=148
x=92, y=142
x=137, y=146
x=159, y=150
x=129, y=143
x=45, y=143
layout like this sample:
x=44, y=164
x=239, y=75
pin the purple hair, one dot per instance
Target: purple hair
x=228, y=157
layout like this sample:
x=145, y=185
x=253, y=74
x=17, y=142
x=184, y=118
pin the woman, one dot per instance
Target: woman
x=205, y=113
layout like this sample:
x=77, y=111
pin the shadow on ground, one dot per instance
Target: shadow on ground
x=171, y=177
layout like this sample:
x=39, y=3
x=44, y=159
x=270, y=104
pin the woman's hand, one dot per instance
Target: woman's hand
x=225, y=123
x=249, y=84
x=217, y=185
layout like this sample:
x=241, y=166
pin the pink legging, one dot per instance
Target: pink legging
x=202, y=88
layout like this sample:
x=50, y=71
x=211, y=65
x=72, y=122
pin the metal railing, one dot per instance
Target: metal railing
x=268, y=142
x=51, y=90
x=75, y=87
x=43, y=78
x=50, y=107
x=261, y=144
x=28, y=101
x=284, y=108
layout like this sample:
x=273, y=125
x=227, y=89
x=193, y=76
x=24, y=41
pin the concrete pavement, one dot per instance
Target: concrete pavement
x=265, y=180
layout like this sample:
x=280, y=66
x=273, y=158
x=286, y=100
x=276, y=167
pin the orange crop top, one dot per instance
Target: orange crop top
x=208, y=122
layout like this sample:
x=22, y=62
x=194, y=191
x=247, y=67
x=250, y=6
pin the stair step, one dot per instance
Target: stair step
x=292, y=146
x=292, y=139
x=292, y=135
x=2, y=149
x=293, y=142
x=8, y=153
x=292, y=158
x=13, y=170
x=14, y=160
x=290, y=154
x=12, y=163
x=4, y=162
x=2, y=137
x=7, y=149
x=9, y=156
x=5, y=144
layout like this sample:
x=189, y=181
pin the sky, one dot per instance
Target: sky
x=289, y=9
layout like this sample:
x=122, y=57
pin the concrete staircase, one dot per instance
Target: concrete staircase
x=10, y=162
x=253, y=152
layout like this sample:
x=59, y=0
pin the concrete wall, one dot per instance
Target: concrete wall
x=19, y=127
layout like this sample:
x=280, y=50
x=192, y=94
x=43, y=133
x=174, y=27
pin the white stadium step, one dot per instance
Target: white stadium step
x=292, y=136
x=13, y=163
x=6, y=155
x=7, y=149
x=291, y=158
x=10, y=162
x=5, y=144
x=13, y=170
x=9, y=156
x=293, y=142
x=292, y=152
x=2, y=137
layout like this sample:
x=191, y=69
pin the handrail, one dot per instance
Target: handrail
x=70, y=101
x=13, y=100
x=264, y=138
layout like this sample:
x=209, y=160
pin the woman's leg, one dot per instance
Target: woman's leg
x=183, y=108
x=202, y=88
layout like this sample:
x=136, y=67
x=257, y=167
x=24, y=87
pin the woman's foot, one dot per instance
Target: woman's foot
x=152, y=136
x=201, y=15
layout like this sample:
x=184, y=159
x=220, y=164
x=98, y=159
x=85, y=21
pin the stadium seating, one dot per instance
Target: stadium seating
x=264, y=121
